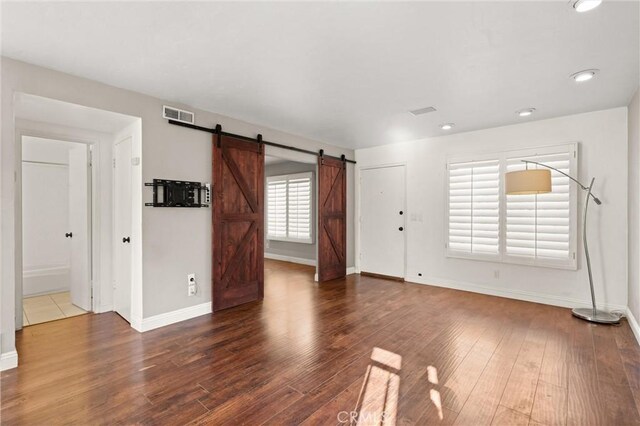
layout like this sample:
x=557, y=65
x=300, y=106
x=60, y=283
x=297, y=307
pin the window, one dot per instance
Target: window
x=538, y=227
x=474, y=203
x=486, y=224
x=289, y=208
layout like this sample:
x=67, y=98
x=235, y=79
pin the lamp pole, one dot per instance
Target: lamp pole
x=593, y=314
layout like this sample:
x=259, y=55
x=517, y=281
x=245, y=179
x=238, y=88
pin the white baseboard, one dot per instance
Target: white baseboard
x=161, y=320
x=300, y=260
x=527, y=296
x=8, y=360
x=103, y=308
x=45, y=271
x=633, y=323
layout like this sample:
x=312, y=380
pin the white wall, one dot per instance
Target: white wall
x=287, y=248
x=175, y=242
x=634, y=207
x=45, y=219
x=603, y=153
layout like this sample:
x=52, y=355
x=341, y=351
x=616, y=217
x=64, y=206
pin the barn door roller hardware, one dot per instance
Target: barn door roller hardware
x=218, y=131
x=342, y=158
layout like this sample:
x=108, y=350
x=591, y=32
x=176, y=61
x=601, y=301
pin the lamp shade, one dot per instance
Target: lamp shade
x=528, y=182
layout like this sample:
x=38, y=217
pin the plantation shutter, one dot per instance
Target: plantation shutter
x=538, y=227
x=289, y=208
x=276, y=208
x=299, y=208
x=474, y=207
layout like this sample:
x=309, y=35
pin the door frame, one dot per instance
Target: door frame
x=302, y=158
x=93, y=212
x=358, y=230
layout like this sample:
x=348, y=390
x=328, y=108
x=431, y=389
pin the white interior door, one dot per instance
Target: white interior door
x=79, y=207
x=382, y=221
x=122, y=225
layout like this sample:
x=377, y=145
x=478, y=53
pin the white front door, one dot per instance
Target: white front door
x=122, y=225
x=79, y=226
x=382, y=221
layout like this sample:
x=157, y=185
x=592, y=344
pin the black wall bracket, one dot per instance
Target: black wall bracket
x=178, y=193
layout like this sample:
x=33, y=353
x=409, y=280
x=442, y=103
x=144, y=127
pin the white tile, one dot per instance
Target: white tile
x=70, y=310
x=37, y=301
x=44, y=314
x=64, y=297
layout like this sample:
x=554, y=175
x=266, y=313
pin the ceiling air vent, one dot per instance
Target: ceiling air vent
x=422, y=110
x=171, y=113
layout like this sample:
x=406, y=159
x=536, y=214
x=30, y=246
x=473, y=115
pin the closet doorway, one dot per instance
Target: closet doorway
x=56, y=229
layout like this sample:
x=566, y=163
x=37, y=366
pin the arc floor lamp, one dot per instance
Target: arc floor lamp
x=538, y=181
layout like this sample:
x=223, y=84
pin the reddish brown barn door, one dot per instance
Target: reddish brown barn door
x=332, y=224
x=238, y=218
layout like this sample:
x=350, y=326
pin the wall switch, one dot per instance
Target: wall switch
x=496, y=274
x=192, y=286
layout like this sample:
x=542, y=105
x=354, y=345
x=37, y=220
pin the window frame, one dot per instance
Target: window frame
x=312, y=194
x=502, y=257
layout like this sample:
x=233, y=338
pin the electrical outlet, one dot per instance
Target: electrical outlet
x=192, y=286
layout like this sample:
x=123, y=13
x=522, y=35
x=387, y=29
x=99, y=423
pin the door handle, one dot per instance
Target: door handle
x=401, y=229
x=126, y=239
x=69, y=235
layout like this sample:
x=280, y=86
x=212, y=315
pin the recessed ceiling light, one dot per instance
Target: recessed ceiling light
x=447, y=126
x=586, y=5
x=525, y=112
x=582, y=76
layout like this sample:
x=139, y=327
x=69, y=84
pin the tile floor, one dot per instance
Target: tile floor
x=48, y=307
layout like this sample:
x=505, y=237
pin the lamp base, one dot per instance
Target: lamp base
x=595, y=315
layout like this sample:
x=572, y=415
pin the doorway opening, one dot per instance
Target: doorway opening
x=65, y=237
x=290, y=216
x=56, y=229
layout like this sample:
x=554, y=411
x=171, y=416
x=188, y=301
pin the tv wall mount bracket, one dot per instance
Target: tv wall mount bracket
x=179, y=193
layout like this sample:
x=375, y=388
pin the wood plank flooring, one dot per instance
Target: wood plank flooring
x=307, y=355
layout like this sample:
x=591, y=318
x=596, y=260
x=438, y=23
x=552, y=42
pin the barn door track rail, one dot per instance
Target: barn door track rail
x=218, y=130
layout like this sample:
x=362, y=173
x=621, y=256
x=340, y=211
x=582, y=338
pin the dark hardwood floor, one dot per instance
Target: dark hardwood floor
x=313, y=354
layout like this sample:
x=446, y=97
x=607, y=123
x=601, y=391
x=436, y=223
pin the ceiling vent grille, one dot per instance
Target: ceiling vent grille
x=423, y=110
x=171, y=113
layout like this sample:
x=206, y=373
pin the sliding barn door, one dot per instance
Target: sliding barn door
x=238, y=217
x=332, y=219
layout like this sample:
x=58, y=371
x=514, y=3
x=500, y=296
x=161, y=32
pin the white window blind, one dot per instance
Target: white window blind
x=277, y=208
x=289, y=208
x=300, y=208
x=474, y=207
x=538, y=227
